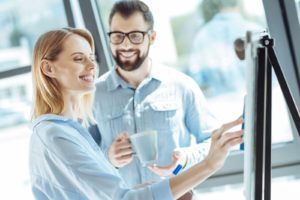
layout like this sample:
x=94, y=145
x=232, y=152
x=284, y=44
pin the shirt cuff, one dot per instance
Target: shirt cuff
x=189, y=160
x=196, y=153
x=162, y=190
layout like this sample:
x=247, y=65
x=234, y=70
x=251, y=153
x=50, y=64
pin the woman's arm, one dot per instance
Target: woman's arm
x=222, y=141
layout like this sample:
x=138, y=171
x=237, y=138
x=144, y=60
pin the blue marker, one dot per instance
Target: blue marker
x=242, y=146
x=177, y=169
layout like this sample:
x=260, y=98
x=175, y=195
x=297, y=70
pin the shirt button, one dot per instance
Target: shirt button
x=137, y=114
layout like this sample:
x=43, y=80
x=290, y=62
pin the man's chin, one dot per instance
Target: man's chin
x=128, y=67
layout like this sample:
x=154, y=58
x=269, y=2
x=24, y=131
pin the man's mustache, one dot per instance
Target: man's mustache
x=128, y=50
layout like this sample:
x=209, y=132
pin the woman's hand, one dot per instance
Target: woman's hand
x=222, y=141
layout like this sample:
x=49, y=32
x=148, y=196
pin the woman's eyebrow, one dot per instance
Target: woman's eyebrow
x=77, y=53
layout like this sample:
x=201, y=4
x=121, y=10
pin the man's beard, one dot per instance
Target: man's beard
x=130, y=65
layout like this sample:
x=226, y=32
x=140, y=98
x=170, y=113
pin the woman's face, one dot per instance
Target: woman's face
x=75, y=67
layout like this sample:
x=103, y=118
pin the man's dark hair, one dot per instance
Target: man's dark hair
x=128, y=7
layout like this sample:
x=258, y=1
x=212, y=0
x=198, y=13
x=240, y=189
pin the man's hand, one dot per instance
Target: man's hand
x=178, y=157
x=120, y=152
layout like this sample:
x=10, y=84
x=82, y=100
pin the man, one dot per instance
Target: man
x=213, y=63
x=154, y=97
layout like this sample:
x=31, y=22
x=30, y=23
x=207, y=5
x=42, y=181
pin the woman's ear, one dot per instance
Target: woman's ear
x=48, y=69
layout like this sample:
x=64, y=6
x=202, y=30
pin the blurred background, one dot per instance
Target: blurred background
x=194, y=36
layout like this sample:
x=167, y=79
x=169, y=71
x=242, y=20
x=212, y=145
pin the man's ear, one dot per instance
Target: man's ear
x=152, y=37
x=48, y=68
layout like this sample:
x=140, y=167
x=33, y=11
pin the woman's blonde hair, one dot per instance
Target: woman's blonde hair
x=47, y=96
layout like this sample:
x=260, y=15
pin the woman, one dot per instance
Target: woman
x=65, y=162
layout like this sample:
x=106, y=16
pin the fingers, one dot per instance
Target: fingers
x=222, y=141
x=162, y=170
x=122, y=136
x=122, y=141
x=124, y=159
x=167, y=170
x=176, y=155
x=169, y=167
x=225, y=127
x=123, y=152
x=233, y=142
x=179, y=156
x=227, y=139
x=122, y=148
x=120, y=153
x=123, y=144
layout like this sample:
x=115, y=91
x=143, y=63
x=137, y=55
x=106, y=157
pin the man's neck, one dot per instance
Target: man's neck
x=135, y=77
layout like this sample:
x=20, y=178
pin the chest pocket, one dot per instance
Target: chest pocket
x=111, y=124
x=164, y=115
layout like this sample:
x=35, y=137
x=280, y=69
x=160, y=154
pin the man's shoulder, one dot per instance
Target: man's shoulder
x=103, y=81
x=103, y=78
x=174, y=74
x=177, y=78
x=169, y=71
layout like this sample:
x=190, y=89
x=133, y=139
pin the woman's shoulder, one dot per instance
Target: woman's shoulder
x=47, y=127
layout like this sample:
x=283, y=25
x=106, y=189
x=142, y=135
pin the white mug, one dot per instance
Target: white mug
x=145, y=146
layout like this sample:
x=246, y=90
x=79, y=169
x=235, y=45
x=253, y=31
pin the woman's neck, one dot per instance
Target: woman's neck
x=71, y=106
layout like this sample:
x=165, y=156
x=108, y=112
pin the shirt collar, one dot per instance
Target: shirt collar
x=158, y=72
x=114, y=80
x=46, y=117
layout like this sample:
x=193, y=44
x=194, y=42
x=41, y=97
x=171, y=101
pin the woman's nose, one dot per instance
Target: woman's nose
x=91, y=64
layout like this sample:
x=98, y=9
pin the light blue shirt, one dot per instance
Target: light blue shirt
x=167, y=101
x=66, y=164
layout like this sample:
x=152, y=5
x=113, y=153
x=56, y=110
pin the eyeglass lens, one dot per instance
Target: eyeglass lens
x=134, y=37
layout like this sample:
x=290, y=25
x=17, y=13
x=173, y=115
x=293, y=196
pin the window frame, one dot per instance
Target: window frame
x=285, y=159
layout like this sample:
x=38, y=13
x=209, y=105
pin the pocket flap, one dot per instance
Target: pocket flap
x=164, y=106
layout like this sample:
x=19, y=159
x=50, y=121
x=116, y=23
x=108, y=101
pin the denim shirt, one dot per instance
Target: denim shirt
x=65, y=163
x=166, y=101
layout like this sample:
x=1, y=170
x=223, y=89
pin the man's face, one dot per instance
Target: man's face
x=130, y=56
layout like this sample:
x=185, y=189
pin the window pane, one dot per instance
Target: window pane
x=22, y=21
x=281, y=188
x=21, y=25
x=298, y=8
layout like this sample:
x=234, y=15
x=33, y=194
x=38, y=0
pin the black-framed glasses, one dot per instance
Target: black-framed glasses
x=135, y=37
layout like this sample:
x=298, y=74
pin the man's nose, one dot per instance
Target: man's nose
x=126, y=43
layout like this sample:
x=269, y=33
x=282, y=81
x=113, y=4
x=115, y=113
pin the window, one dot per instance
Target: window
x=212, y=62
x=22, y=21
